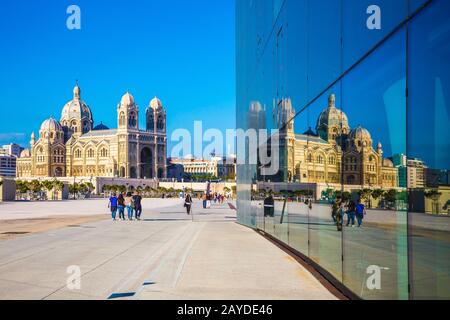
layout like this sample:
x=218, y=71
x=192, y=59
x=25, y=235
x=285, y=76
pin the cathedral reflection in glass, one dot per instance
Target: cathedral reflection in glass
x=359, y=94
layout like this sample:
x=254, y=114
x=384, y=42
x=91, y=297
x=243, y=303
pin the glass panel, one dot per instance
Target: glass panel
x=416, y=4
x=324, y=44
x=322, y=167
x=366, y=22
x=375, y=249
x=428, y=160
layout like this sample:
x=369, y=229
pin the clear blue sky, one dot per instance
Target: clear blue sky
x=182, y=51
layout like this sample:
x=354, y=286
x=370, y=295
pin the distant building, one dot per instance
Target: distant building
x=416, y=173
x=400, y=162
x=226, y=167
x=174, y=170
x=435, y=178
x=11, y=149
x=7, y=165
x=220, y=167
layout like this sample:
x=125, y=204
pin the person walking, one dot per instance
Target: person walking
x=269, y=206
x=188, y=203
x=340, y=216
x=112, y=204
x=204, y=198
x=137, y=200
x=334, y=208
x=129, y=205
x=360, y=212
x=351, y=213
x=121, y=206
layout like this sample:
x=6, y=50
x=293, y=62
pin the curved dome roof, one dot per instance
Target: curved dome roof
x=76, y=108
x=127, y=100
x=100, y=126
x=155, y=103
x=332, y=115
x=25, y=153
x=360, y=133
x=388, y=163
x=51, y=125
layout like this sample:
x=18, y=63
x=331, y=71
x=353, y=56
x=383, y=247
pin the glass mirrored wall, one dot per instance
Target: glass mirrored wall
x=354, y=96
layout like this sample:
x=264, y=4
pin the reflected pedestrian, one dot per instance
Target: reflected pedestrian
x=351, y=213
x=360, y=212
x=335, y=208
x=269, y=206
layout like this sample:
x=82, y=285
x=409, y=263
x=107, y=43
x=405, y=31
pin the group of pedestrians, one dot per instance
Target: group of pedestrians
x=353, y=210
x=132, y=203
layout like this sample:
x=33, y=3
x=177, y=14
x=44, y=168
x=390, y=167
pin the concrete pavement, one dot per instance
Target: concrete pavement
x=165, y=256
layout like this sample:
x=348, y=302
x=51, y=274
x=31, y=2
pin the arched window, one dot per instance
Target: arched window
x=122, y=119
x=310, y=158
x=319, y=159
x=332, y=160
x=104, y=153
x=78, y=154
x=160, y=123
x=90, y=153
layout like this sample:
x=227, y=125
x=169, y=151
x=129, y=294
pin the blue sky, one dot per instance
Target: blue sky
x=181, y=51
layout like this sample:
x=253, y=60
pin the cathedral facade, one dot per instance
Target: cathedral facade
x=334, y=153
x=73, y=147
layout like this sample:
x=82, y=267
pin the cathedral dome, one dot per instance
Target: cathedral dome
x=127, y=100
x=332, y=116
x=388, y=163
x=360, y=133
x=51, y=125
x=76, y=108
x=25, y=153
x=100, y=126
x=155, y=103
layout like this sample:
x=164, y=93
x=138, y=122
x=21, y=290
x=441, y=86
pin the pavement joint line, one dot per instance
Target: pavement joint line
x=186, y=255
x=108, y=260
x=165, y=255
x=186, y=249
x=124, y=286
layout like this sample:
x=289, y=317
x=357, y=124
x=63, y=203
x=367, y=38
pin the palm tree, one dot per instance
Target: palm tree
x=434, y=195
x=377, y=193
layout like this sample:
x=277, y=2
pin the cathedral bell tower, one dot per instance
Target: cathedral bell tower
x=127, y=113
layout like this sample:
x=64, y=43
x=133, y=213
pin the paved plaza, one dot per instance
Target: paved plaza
x=167, y=255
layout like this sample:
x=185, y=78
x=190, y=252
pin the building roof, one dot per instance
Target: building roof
x=100, y=133
x=100, y=126
x=304, y=137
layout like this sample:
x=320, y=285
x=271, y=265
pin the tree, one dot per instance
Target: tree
x=377, y=193
x=22, y=186
x=391, y=195
x=74, y=189
x=58, y=185
x=434, y=195
x=35, y=186
x=47, y=185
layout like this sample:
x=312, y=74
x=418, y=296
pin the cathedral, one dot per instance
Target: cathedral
x=73, y=147
x=335, y=153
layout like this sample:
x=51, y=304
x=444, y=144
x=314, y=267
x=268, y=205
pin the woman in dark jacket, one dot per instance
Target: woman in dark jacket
x=121, y=206
x=188, y=203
